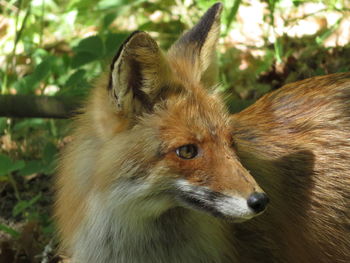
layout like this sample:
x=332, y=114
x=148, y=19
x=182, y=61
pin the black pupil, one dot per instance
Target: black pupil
x=188, y=151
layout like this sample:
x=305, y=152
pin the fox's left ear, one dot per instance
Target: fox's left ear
x=138, y=73
x=195, y=50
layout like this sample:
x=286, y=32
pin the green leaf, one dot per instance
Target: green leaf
x=31, y=167
x=42, y=70
x=9, y=230
x=92, y=45
x=3, y=125
x=108, y=19
x=76, y=78
x=21, y=206
x=114, y=41
x=46, y=165
x=59, y=67
x=88, y=50
x=83, y=58
x=49, y=168
x=29, y=83
x=49, y=153
x=76, y=85
x=17, y=165
x=7, y=165
x=49, y=158
x=297, y=2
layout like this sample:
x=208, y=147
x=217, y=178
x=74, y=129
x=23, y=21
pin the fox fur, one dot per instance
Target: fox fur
x=123, y=192
x=126, y=193
x=296, y=143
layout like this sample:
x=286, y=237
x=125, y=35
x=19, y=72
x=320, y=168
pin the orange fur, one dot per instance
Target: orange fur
x=126, y=194
x=296, y=143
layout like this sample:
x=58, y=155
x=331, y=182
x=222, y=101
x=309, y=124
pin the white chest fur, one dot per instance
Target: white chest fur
x=122, y=232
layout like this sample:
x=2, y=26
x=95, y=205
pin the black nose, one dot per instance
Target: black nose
x=258, y=202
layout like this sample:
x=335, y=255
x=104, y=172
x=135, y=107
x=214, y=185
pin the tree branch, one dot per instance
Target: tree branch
x=31, y=106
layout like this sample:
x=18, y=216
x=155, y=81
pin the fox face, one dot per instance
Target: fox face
x=178, y=133
x=195, y=149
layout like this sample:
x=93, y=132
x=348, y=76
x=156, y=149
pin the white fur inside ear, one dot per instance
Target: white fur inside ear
x=137, y=76
x=119, y=96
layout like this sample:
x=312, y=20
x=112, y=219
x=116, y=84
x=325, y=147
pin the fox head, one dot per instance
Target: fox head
x=166, y=138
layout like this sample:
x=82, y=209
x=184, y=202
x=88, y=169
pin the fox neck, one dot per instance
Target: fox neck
x=125, y=232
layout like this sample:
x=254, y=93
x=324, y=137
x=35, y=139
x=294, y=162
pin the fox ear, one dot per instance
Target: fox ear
x=196, y=48
x=137, y=73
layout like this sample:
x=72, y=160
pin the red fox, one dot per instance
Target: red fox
x=159, y=171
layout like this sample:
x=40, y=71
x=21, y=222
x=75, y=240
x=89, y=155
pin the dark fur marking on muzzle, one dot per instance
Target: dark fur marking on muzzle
x=205, y=202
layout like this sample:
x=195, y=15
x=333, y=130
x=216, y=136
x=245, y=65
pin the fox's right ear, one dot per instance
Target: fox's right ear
x=194, y=52
x=137, y=73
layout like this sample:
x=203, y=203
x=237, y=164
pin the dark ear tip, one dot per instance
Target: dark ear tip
x=217, y=8
x=131, y=36
x=140, y=39
x=136, y=35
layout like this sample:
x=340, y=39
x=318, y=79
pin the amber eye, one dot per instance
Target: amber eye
x=188, y=151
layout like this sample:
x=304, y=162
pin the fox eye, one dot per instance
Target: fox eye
x=188, y=151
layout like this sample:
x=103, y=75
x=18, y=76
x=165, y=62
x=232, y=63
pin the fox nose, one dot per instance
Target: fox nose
x=258, y=202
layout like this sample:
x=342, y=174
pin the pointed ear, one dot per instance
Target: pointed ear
x=196, y=48
x=137, y=74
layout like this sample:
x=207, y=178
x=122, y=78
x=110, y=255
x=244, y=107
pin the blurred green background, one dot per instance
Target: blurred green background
x=57, y=48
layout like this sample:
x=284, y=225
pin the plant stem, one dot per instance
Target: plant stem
x=42, y=23
x=14, y=185
x=232, y=15
x=11, y=62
